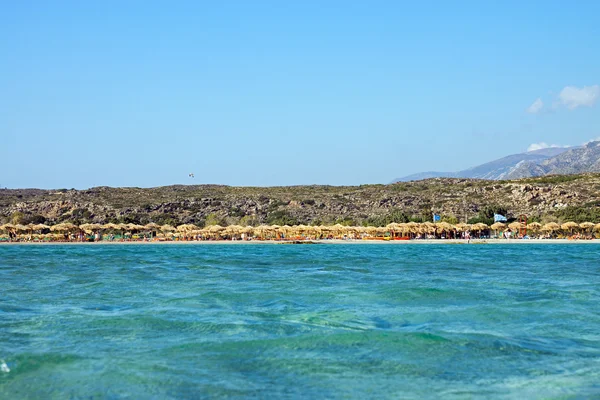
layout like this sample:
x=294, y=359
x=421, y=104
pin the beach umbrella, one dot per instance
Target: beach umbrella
x=551, y=227
x=535, y=226
x=152, y=226
x=64, y=227
x=186, y=227
x=586, y=225
x=89, y=228
x=371, y=230
x=134, y=227
x=301, y=228
x=480, y=226
x=597, y=227
x=7, y=227
x=569, y=226
x=462, y=227
x=498, y=226
x=215, y=230
x=443, y=227
x=427, y=227
x=394, y=227
x=515, y=226
x=20, y=227
x=40, y=227
x=412, y=227
x=260, y=231
x=273, y=230
x=30, y=227
x=168, y=228
x=110, y=226
x=248, y=230
x=381, y=229
x=339, y=229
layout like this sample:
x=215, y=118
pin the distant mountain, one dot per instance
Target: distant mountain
x=503, y=168
x=573, y=161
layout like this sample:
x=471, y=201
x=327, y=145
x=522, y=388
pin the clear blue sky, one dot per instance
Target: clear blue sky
x=141, y=93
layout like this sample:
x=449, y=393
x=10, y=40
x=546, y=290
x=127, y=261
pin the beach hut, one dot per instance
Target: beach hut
x=152, y=228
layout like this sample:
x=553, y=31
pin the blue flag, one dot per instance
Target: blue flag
x=436, y=218
x=499, y=218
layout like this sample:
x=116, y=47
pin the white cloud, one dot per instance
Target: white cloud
x=573, y=97
x=543, y=145
x=536, y=106
x=592, y=140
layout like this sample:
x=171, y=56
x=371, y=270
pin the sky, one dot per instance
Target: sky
x=268, y=93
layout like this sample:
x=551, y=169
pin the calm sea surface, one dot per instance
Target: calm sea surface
x=318, y=321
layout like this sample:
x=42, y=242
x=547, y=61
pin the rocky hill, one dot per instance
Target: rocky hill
x=546, y=197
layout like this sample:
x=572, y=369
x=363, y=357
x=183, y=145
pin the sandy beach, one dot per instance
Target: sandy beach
x=308, y=242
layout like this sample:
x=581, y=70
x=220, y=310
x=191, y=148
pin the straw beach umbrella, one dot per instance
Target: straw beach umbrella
x=534, y=227
x=444, y=227
x=110, y=226
x=215, y=230
x=498, y=226
x=480, y=227
x=412, y=227
x=462, y=227
x=587, y=226
x=551, y=227
x=515, y=226
x=168, y=228
x=40, y=227
x=64, y=227
x=89, y=228
x=186, y=230
x=21, y=227
x=569, y=226
x=7, y=227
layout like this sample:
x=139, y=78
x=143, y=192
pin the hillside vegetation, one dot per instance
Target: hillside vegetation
x=548, y=198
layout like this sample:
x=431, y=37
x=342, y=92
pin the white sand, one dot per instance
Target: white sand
x=329, y=241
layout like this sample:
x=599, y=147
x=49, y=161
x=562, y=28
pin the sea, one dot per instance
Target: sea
x=400, y=321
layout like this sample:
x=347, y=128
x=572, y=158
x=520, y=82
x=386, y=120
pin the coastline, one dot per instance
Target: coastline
x=327, y=241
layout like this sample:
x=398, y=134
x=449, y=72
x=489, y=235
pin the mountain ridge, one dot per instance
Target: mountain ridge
x=514, y=166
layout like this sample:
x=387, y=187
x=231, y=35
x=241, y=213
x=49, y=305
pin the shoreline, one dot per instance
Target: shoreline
x=307, y=242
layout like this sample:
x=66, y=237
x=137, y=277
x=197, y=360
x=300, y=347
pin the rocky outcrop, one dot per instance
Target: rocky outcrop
x=298, y=204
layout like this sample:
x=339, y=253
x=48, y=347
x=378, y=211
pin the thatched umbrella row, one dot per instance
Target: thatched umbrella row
x=410, y=227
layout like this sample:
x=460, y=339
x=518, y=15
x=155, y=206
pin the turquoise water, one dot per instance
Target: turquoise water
x=320, y=321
